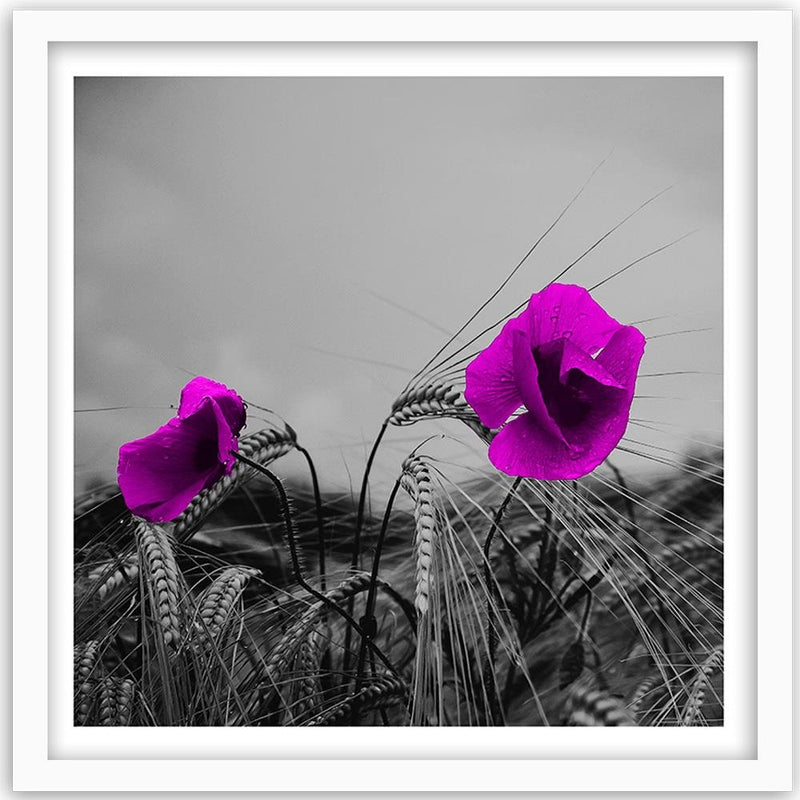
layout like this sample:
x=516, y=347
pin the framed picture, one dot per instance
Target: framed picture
x=412, y=401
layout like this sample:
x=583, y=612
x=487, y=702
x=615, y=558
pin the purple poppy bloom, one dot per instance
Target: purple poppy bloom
x=161, y=473
x=573, y=368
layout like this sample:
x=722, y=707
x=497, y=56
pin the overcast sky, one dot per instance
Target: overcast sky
x=307, y=240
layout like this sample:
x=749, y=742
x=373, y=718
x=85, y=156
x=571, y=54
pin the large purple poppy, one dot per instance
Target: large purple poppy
x=573, y=368
x=161, y=473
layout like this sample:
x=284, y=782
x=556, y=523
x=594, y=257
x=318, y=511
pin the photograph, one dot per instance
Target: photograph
x=398, y=401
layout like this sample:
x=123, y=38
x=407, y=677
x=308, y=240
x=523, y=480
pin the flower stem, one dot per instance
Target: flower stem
x=356, y=558
x=362, y=498
x=298, y=574
x=318, y=508
x=368, y=620
x=491, y=598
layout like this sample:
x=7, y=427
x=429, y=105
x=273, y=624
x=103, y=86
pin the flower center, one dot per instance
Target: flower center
x=575, y=401
x=569, y=401
x=205, y=453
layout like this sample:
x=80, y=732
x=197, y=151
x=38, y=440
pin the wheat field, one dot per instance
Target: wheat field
x=450, y=594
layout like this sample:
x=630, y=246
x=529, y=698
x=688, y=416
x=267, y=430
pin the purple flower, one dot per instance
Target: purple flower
x=573, y=368
x=161, y=473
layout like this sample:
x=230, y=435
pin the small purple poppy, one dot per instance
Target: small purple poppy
x=161, y=473
x=573, y=368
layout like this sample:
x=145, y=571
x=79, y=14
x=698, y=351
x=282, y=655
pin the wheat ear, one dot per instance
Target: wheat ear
x=694, y=705
x=595, y=707
x=642, y=690
x=163, y=578
x=115, y=701
x=286, y=648
x=112, y=576
x=429, y=401
x=262, y=447
x=307, y=666
x=383, y=692
x=285, y=651
x=220, y=598
x=85, y=662
x=416, y=481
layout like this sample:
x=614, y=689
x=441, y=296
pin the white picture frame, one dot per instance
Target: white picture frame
x=752, y=51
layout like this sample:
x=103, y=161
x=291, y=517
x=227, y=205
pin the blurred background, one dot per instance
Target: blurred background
x=310, y=242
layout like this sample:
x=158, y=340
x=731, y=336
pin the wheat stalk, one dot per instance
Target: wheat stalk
x=157, y=561
x=263, y=447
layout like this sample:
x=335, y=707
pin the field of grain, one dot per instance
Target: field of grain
x=454, y=595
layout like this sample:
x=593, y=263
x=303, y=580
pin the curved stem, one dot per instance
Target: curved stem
x=368, y=620
x=586, y=611
x=356, y=558
x=491, y=592
x=298, y=575
x=362, y=498
x=318, y=507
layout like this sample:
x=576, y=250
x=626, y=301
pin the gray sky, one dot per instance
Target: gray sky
x=269, y=232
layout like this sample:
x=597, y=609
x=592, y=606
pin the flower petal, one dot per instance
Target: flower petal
x=523, y=448
x=565, y=311
x=599, y=431
x=161, y=473
x=227, y=443
x=526, y=446
x=573, y=358
x=577, y=405
x=490, y=386
x=229, y=401
x=622, y=355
